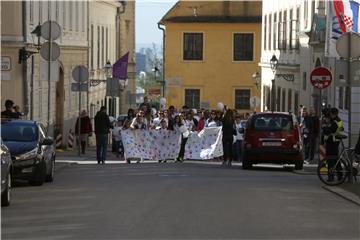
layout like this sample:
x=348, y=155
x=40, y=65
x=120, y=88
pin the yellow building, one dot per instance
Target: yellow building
x=212, y=49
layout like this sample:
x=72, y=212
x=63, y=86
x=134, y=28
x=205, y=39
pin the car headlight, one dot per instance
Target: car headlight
x=29, y=155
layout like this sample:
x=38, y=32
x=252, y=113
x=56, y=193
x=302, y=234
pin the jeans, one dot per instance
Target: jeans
x=237, y=150
x=309, y=144
x=101, y=147
x=182, y=148
x=227, y=149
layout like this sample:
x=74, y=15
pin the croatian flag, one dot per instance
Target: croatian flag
x=343, y=17
x=120, y=67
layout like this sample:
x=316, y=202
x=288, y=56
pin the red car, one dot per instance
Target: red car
x=272, y=137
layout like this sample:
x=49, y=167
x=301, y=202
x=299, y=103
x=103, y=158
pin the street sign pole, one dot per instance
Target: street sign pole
x=79, y=121
x=49, y=74
x=350, y=180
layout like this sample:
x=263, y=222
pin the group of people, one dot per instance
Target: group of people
x=184, y=120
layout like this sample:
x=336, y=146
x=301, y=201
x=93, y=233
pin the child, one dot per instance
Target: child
x=117, y=138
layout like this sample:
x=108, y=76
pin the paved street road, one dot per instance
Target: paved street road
x=168, y=201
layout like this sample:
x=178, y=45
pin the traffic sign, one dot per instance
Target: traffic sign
x=80, y=74
x=50, y=30
x=45, y=53
x=79, y=87
x=342, y=45
x=255, y=102
x=321, y=77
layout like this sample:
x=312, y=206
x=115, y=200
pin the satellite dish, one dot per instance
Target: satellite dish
x=50, y=30
x=45, y=51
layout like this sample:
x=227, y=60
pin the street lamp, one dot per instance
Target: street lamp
x=273, y=65
x=155, y=70
x=257, y=80
x=108, y=69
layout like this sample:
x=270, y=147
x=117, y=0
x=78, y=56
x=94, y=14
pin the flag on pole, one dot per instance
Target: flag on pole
x=120, y=67
x=343, y=17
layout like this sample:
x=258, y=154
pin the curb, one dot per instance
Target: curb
x=351, y=197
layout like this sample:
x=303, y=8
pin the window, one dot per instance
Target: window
x=64, y=15
x=296, y=103
x=304, y=81
x=57, y=11
x=31, y=11
x=243, y=47
x=76, y=16
x=278, y=99
x=347, y=98
x=289, y=100
x=92, y=46
x=192, y=98
x=83, y=22
x=269, y=38
x=40, y=11
x=102, y=47
x=265, y=33
x=281, y=33
x=71, y=16
x=341, y=98
x=268, y=100
x=286, y=25
x=193, y=46
x=274, y=32
x=306, y=15
x=242, y=99
x=107, y=44
x=98, y=48
x=283, y=99
x=294, y=29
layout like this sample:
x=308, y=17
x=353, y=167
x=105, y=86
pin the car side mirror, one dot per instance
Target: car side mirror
x=47, y=141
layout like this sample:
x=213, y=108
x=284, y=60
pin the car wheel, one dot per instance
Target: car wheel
x=299, y=165
x=6, y=195
x=39, y=174
x=50, y=176
x=246, y=164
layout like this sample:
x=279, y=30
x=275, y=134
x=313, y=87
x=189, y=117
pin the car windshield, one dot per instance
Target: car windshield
x=272, y=123
x=18, y=132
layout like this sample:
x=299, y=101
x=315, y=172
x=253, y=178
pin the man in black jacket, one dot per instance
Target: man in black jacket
x=102, y=127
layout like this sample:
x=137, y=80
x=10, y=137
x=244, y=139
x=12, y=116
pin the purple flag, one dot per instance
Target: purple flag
x=120, y=67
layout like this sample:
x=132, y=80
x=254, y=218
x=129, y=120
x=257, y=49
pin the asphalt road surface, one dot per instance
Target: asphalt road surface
x=178, y=201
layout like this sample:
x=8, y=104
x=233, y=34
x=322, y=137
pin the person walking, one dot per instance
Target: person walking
x=102, y=128
x=85, y=129
x=310, y=132
x=228, y=131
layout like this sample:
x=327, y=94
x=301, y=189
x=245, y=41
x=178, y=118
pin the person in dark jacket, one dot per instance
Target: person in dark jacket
x=102, y=128
x=228, y=131
x=331, y=132
x=9, y=112
x=85, y=129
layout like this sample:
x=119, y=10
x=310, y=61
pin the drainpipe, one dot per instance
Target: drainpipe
x=163, y=45
x=120, y=10
x=24, y=63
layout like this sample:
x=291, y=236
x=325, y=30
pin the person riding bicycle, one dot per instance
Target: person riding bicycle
x=331, y=138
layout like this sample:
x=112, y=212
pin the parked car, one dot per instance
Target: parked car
x=6, y=173
x=272, y=137
x=32, y=152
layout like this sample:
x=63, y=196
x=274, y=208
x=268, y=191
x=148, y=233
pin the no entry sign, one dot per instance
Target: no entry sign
x=321, y=77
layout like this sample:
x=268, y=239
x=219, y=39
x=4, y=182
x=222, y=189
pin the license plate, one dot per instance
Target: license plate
x=271, y=144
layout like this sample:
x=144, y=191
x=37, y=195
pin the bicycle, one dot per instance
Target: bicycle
x=341, y=170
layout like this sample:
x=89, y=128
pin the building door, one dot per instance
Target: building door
x=59, y=106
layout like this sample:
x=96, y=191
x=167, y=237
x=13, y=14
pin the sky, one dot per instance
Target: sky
x=148, y=14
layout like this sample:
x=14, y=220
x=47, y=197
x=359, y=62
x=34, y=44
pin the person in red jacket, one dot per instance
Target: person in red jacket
x=85, y=129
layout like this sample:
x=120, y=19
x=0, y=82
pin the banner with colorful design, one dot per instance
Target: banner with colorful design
x=207, y=144
x=164, y=144
x=151, y=144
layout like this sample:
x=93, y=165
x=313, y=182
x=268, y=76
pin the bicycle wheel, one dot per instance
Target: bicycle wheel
x=335, y=175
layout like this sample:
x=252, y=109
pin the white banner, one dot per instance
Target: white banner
x=151, y=144
x=164, y=144
x=204, y=145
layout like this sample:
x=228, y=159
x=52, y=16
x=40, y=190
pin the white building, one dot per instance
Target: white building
x=296, y=32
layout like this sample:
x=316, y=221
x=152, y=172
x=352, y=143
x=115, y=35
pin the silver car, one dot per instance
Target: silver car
x=6, y=174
